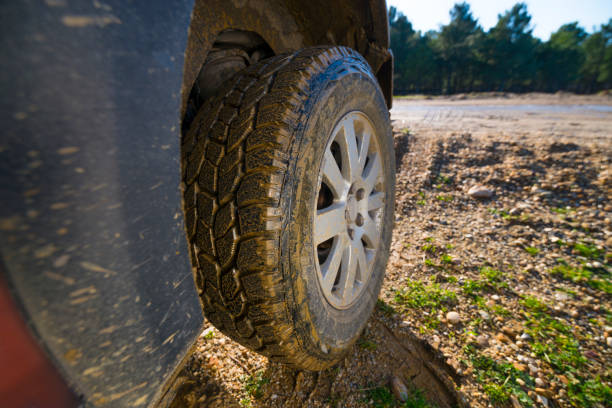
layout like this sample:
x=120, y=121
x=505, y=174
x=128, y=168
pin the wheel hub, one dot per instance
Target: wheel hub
x=351, y=210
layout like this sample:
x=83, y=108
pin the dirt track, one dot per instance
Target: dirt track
x=526, y=271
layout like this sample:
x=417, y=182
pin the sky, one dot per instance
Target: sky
x=547, y=15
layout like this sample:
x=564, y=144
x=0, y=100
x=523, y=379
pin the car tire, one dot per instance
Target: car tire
x=258, y=184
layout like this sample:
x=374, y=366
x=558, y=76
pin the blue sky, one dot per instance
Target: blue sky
x=547, y=15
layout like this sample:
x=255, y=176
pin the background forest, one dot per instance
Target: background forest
x=462, y=57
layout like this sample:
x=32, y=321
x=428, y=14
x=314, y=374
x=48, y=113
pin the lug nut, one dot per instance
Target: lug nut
x=360, y=194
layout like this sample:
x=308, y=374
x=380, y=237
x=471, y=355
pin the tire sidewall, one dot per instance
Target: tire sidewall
x=345, y=86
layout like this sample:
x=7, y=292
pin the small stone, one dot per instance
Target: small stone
x=502, y=338
x=480, y=191
x=453, y=317
x=495, y=297
x=609, y=341
x=539, y=383
x=525, y=337
x=482, y=340
x=520, y=381
x=533, y=370
x=543, y=392
x=520, y=367
x=543, y=400
x=210, y=331
x=484, y=315
x=399, y=389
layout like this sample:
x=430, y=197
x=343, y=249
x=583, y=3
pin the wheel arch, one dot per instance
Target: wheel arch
x=288, y=25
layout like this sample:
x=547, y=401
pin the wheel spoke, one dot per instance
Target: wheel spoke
x=370, y=232
x=332, y=175
x=348, y=272
x=372, y=172
x=363, y=151
x=329, y=222
x=329, y=269
x=350, y=156
x=360, y=254
x=375, y=201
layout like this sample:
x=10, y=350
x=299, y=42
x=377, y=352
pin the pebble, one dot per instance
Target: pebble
x=539, y=383
x=453, y=317
x=525, y=337
x=482, y=340
x=533, y=370
x=207, y=331
x=543, y=400
x=399, y=389
x=609, y=341
x=484, y=314
x=480, y=191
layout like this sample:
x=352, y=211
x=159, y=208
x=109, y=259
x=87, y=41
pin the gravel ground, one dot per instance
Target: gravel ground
x=498, y=289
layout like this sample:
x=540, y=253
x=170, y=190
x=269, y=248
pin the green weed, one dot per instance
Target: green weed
x=367, y=345
x=385, y=308
x=254, y=384
x=588, y=251
x=499, y=380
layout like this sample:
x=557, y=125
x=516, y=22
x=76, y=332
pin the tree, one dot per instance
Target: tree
x=457, y=43
x=510, y=51
x=461, y=57
x=596, y=71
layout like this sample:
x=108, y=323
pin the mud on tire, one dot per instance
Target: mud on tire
x=249, y=165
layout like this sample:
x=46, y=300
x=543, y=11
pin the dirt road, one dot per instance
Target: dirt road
x=504, y=300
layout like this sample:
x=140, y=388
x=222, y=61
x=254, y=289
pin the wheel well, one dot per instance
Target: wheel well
x=223, y=34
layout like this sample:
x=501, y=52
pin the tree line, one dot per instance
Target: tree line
x=462, y=57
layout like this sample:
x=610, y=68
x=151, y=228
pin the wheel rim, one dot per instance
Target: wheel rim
x=349, y=210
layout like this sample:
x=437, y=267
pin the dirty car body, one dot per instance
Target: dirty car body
x=93, y=100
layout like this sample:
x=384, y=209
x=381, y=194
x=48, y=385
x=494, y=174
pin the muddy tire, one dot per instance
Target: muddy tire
x=252, y=165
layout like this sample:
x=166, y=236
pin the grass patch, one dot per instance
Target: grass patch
x=472, y=287
x=583, y=275
x=421, y=200
x=553, y=340
x=382, y=397
x=499, y=380
x=445, y=198
x=430, y=248
x=533, y=251
x=561, y=210
x=590, y=393
x=446, y=259
x=493, y=277
x=385, y=308
x=430, y=297
x=587, y=251
x=367, y=345
x=418, y=296
x=253, y=385
x=442, y=179
x=490, y=279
